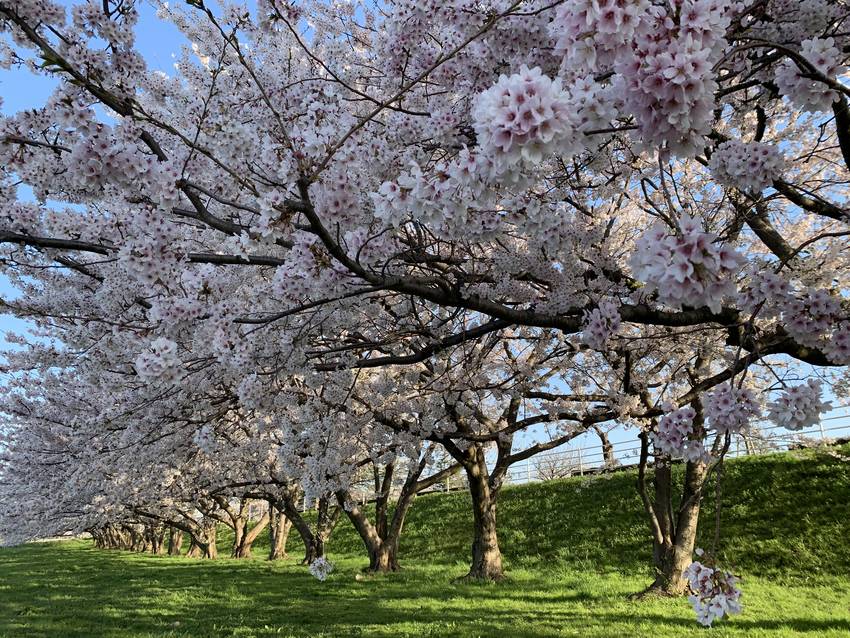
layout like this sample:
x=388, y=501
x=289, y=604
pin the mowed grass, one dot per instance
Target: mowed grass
x=72, y=590
x=575, y=550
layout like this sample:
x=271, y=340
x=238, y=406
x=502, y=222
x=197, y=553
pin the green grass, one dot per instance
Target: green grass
x=575, y=548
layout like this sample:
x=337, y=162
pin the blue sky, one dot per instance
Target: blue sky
x=159, y=42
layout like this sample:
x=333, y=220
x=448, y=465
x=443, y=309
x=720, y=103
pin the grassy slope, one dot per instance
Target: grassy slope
x=576, y=549
x=782, y=514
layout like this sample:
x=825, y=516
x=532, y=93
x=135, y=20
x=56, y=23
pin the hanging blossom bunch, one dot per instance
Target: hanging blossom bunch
x=599, y=324
x=667, y=79
x=838, y=348
x=523, y=118
x=766, y=291
x=689, y=268
x=811, y=316
x=111, y=157
x=715, y=592
x=799, y=407
x=321, y=568
x=590, y=33
x=159, y=362
x=810, y=94
x=675, y=435
x=730, y=409
x=663, y=59
x=748, y=166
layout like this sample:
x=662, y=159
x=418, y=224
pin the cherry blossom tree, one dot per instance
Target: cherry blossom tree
x=325, y=188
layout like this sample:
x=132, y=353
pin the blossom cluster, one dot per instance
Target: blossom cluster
x=808, y=318
x=808, y=93
x=599, y=324
x=160, y=361
x=765, y=292
x=812, y=316
x=590, y=33
x=662, y=58
x=799, y=407
x=321, y=568
x=112, y=157
x=675, y=435
x=748, y=166
x=688, y=268
x=523, y=118
x=667, y=79
x=838, y=348
x=730, y=409
x=715, y=592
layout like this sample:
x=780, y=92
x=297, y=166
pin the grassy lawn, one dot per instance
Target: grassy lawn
x=574, y=549
x=72, y=590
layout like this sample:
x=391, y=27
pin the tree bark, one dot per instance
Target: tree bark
x=240, y=524
x=672, y=556
x=156, y=533
x=175, y=541
x=607, y=447
x=243, y=550
x=382, y=538
x=279, y=526
x=382, y=550
x=486, y=555
x=204, y=544
x=674, y=529
x=314, y=543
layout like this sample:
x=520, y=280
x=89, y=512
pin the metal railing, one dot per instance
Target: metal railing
x=590, y=459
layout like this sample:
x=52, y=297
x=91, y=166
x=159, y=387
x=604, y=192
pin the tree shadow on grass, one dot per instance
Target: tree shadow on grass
x=75, y=591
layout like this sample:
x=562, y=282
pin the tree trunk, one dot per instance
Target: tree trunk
x=279, y=526
x=311, y=551
x=607, y=447
x=382, y=549
x=194, y=549
x=326, y=519
x=204, y=544
x=672, y=556
x=674, y=530
x=175, y=541
x=154, y=534
x=240, y=526
x=384, y=558
x=243, y=550
x=486, y=556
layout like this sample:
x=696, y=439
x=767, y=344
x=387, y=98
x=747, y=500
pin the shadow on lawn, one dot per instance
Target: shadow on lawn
x=75, y=591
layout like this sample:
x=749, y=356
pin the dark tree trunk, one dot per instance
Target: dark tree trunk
x=279, y=526
x=382, y=550
x=382, y=538
x=326, y=520
x=607, y=447
x=156, y=533
x=674, y=553
x=243, y=550
x=175, y=541
x=486, y=555
x=674, y=529
x=204, y=543
x=239, y=526
x=194, y=549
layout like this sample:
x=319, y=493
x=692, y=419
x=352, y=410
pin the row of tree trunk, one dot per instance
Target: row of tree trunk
x=673, y=527
x=155, y=534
